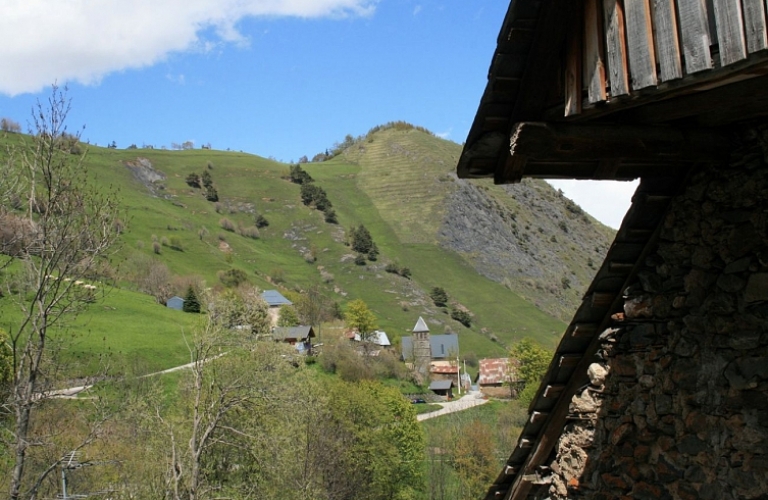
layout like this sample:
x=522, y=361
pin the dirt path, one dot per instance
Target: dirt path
x=473, y=398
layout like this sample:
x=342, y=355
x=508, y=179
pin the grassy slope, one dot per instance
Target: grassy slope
x=250, y=184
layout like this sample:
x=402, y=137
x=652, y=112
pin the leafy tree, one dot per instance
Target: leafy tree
x=6, y=363
x=359, y=317
x=76, y=232
x=191, y=304
x=288, y=316
x=532, y=361
x=475, y=459
x=439, y=296
x=8, y=125
x=312, y=194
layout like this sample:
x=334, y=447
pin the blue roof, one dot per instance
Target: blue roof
x=275, y=298
x=442, y=346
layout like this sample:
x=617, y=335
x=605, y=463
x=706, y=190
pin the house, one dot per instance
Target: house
x=444, y=370
x=299, y=336
x=497, y=377
x=442, y=387
x=175, y=302
x=377, y=337
x=273, y=298
x=668, y=344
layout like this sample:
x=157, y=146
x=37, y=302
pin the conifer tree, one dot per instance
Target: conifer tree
x=191, y=304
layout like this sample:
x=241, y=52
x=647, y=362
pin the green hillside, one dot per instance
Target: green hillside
x=397, y=181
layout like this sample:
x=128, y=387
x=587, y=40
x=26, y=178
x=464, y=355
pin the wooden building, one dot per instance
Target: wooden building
x=662, y=358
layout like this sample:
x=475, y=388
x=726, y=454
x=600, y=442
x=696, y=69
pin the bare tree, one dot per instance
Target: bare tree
x=71, y=230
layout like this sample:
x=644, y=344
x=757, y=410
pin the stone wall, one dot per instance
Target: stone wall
x=683, y=412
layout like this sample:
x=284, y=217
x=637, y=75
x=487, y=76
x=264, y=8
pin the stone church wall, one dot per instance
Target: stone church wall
x=683, y=411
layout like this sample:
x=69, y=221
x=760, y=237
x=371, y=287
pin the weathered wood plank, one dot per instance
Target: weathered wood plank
x=615, y=47
x=573, y=65
x=695, y=35
x=642, y=55
x=754, y=25
x=594, y=65
x=666, y=38
x=730, y=32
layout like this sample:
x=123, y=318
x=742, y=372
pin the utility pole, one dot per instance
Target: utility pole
x=458, y=373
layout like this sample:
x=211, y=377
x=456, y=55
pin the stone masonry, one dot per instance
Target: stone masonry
x=678, y=407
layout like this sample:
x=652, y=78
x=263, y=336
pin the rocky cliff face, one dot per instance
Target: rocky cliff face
x=527, y=236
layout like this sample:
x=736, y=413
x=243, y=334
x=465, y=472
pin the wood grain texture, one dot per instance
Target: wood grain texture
x=730, y=31
x=615, y=47
x=594, y=65
x=695, y=35
x=642, y=55
x=754, y=25
x=666, y=40
x=573, y=65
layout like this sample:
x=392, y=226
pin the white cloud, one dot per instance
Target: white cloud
x=606, y=201
x=444, y=135
x=82, y=40
x=417, y=10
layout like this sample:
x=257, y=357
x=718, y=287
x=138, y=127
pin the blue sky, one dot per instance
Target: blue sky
x=277, y=78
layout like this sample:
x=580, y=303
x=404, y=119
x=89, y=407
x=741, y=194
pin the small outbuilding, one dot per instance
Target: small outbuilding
x=298, y=336
x=175, y=302
x=442, y=387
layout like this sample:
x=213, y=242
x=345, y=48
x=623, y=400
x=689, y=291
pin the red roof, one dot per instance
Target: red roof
x=495, y=371
x=444, y=369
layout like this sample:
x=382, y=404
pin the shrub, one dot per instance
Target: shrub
x=211, y=194
x=360, y=239
x=461, y=316
x=360, y=259
x=250, y=232
x=439, y=296
x=261, y=221
x=227, y=224
x=193, y=180
x=392, y=268
x=330, y=216
x=206, y=179
x=156, y=247
x=298, y=175
x=164, y=241
x=405, y=272
x=233, y=277
x=176, y=244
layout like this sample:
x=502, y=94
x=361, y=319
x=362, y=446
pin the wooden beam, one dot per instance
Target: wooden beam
x=583, y=330
x=600, y=143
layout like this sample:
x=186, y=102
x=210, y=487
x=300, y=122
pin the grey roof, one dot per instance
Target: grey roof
x=441, y=385
x=275, y=298
x=293, y=332
x=442, y=346
x=421, y=326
